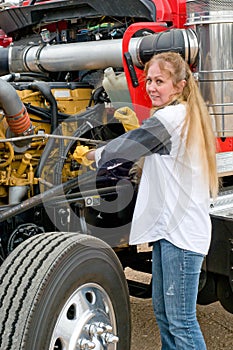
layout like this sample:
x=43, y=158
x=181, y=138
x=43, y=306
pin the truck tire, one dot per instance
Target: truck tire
x=225, y=293
x=63, y=291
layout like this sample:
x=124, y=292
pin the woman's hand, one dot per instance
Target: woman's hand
x=127, y=117
x=84, y=155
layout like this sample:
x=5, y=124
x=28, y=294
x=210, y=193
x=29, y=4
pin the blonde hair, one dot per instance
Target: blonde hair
x=198, y=124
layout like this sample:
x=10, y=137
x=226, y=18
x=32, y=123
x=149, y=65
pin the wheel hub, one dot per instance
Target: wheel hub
x=86, y=321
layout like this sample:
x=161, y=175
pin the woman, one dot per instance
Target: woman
x=172, y=208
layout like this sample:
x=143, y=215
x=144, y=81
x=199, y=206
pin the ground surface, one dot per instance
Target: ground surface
x=215, y=322
x=216, y=325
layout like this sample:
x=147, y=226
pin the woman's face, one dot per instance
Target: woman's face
x=159, y=85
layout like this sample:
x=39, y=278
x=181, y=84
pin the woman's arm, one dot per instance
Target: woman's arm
x=151, y=137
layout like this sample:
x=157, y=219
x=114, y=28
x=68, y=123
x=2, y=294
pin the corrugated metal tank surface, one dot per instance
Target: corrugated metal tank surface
x=213, y=22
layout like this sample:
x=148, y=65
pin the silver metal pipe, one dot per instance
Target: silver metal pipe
x=98, y=54
x=67, y=57
x=51, y=136
x=16, y=194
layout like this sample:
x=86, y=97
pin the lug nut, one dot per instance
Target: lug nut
x=105, y=327
x=86, y=344
x=94, y=329
x=110, y=338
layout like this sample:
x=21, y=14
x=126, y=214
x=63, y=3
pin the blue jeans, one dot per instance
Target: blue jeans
x=175, y=277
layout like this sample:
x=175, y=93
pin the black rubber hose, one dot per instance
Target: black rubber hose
x=172, y=40
x=4, y=61
x=44, y=88
x=92, y=119
x=90, y=114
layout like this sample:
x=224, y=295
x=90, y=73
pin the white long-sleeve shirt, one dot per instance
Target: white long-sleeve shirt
x=173, y=196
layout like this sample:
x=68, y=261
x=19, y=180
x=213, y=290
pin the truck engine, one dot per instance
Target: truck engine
x=59, y=94
x=65, y=67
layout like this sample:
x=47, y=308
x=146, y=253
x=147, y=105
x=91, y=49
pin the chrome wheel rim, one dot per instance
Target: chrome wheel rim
x=87, y=321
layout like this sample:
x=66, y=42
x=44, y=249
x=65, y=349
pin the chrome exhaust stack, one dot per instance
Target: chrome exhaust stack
x=213, y=23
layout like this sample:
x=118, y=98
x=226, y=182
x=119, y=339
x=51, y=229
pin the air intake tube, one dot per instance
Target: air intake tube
x=96, y=54
x=15, y=112
x=177, y=40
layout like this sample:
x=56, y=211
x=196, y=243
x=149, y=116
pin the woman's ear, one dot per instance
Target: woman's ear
x=181, y=85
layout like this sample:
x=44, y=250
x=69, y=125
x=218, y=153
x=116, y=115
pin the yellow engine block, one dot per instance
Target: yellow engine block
x=18, y=163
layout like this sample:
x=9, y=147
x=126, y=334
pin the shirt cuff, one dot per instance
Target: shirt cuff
x=98, y=153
